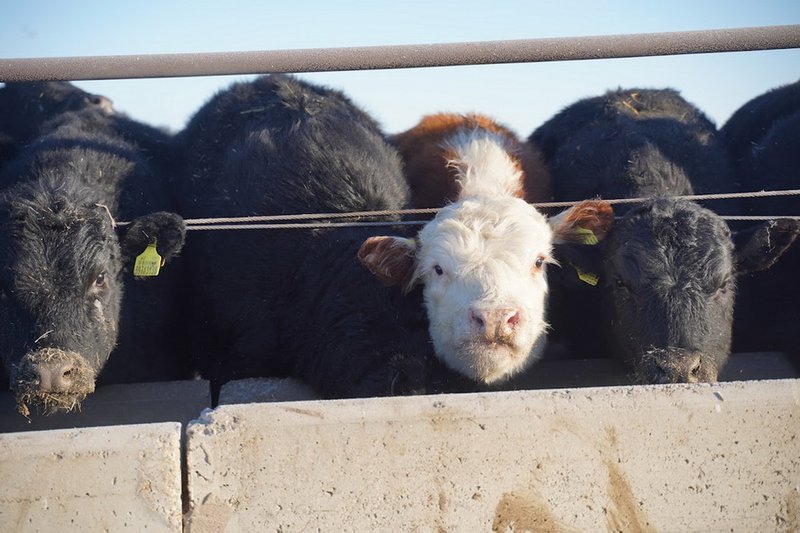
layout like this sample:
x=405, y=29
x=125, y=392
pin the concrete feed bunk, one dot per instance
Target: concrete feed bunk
x=721, y=456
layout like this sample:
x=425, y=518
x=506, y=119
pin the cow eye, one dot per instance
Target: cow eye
x=539, y=263
x=438, y=270
x=619, y=284
x=100, y=281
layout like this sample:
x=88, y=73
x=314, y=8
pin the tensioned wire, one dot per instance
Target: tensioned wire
x=323, y=220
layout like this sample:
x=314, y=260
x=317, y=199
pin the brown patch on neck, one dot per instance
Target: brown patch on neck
x=433, y=183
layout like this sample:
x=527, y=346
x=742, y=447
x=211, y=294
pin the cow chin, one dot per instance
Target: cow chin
x=491, y=362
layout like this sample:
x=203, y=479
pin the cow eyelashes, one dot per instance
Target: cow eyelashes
x=538, y=264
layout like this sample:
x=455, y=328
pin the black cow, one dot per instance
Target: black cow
x=63, y=265
x=295, y=302
x=636, y=104
x=763, y=137
x=26, y=106
x=667, y=271
x=671, y=148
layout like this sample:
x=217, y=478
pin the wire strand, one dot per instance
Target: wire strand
x=270, y=221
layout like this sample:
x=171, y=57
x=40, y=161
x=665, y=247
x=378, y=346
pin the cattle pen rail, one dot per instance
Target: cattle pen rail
x=569, y=458
x=401, y=56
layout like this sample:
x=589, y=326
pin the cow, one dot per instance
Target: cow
x=26, y=106
x=67, y=323
x=662, y=284
x=763, y=139
x=465, y=298
x=432, y=172
x=635, y=104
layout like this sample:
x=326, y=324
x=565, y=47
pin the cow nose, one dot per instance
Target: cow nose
x=494, y=321
x=54, y=376
x=677, y=365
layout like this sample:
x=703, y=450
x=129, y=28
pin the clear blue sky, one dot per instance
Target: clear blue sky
x=520, y=95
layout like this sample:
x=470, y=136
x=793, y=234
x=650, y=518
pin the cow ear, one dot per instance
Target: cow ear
x=587, y=222
x=759, y=247
x=168, y=230
x=390, y=259
x=579, y=266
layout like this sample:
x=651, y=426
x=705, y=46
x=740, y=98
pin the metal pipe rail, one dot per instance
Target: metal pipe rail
x=400, y=56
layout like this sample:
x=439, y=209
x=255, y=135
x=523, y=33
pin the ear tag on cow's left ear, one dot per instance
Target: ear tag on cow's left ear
x=587, y=277
x=148, y=263
x=587, y=236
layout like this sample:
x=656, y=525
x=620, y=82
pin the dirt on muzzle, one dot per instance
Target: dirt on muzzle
x=75, y=380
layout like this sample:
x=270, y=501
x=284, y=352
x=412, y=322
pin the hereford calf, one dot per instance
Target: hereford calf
x=433, y=168
x=297, y=303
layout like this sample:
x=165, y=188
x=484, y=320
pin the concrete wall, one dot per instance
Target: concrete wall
x=123, y=478
x=114, y=405
x=710, y=457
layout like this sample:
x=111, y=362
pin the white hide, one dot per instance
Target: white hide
x=483, y=164
x=486, y=248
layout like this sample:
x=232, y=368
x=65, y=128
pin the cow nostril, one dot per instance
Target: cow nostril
x=477, y=318
x=513, y=319
x=55, y=378
x=65, y=378
x=695, y=370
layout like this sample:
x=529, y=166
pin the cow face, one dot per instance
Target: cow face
x=669, y=287
x=482, y=264
x=60, y=294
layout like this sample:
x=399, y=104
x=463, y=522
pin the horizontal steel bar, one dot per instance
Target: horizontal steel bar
x=400, y=56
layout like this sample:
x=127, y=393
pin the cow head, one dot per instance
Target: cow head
x=482, y=263
x=668, y=280
x=61, y=281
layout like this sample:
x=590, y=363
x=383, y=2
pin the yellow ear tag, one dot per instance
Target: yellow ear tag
x=587, y=236
x=587, y=277
x=148, y=263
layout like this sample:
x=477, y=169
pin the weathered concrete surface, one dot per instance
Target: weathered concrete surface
x=548, y=374
x=123, y=478
x=709, y=457
x=265, y=390
x=114, y=405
